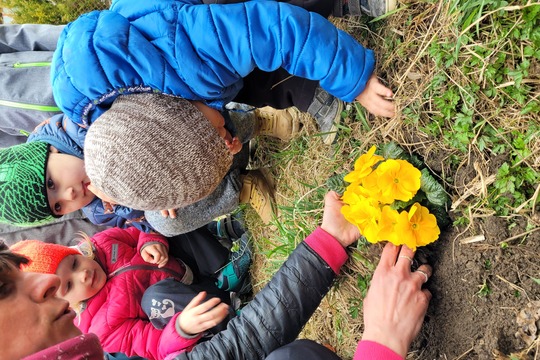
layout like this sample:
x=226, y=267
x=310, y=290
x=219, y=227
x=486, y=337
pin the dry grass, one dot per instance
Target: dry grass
x=407, y=45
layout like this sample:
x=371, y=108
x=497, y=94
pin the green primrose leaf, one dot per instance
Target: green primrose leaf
x=434, y=191
x=336, y=183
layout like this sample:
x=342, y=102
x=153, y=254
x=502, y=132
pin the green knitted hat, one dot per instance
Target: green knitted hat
x=22, y=184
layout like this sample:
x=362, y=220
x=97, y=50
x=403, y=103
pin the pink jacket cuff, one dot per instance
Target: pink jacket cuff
x=328, y=248
x=370, y=350
x=173, y=343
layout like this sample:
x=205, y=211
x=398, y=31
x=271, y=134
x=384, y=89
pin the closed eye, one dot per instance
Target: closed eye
x=5, y=289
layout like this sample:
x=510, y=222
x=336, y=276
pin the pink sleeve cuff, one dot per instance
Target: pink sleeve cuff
x=370, y=350
x=146, y=239
x=171, y=342
x=328, y=248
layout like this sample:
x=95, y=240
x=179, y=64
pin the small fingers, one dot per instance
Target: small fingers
x=165, y=213
x=146, y=257
x=163, y=261
x=382, y=107
x=208, y=305
x=195, y=301
x=213, y=317
x=380, y=89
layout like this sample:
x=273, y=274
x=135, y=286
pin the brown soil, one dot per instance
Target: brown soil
x=479, y=288
x=465, y=322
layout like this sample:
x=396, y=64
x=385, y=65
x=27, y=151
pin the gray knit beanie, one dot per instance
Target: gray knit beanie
x=155, y=152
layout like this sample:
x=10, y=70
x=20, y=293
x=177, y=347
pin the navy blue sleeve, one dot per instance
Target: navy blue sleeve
x=122, y=217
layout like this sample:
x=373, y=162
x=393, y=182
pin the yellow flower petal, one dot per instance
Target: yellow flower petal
x=424, y=225
x=362, y=214
x=398, y=180
x=363, y=166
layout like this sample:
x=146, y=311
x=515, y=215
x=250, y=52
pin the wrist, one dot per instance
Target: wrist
x=386, y=338
x=182, y=332
x=335, y=234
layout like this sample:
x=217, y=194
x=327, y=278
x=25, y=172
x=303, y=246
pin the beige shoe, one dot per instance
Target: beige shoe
x=257, y=192
x=281, y=124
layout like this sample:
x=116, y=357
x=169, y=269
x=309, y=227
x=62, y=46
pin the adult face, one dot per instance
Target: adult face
x=32, y=318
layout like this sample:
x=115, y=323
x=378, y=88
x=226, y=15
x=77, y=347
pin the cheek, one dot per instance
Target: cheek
x=30, y=335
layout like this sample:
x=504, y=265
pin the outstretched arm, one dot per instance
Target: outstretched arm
x=200, y=52
x=395, y=305
x=278, y=313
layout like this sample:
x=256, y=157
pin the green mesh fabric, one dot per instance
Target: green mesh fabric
x=23, y=196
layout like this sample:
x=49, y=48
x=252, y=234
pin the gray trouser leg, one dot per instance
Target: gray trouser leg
x=222, y=201
x=244, y=120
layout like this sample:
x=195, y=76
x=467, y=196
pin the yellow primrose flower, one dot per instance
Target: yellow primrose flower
x=424, y=225
x=388, y=220
x=397, y=180
x=417, y=227
x=362, y=214
x=371, y=191
x=372, y=187
x=354, y=193
x=363, y=166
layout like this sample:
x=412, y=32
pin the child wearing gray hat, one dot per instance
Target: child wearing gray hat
x=54, y=156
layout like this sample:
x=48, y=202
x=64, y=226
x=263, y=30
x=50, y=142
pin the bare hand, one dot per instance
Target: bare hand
x=197, y=317
x=155, y=254
x=375, y=98
x=396, y=304
x=335, y=224
x=234, y=145
x=169, y=213
x=101, y=194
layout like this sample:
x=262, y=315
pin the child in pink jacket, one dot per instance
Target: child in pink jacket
x=105, y=278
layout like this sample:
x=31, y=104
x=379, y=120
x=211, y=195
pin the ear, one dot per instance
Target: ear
x=52, y=149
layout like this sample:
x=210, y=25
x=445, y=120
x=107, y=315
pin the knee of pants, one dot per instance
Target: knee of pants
x=164, y=299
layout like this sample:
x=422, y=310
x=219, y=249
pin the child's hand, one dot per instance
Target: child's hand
x=374, y=98
x=169, y=213
x=198, y=317
x=234, y=146
x=155, y=254
x=100, y=194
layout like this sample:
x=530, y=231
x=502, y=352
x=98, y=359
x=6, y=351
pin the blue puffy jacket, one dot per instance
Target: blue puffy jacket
x=68, y=138
x=198, y=52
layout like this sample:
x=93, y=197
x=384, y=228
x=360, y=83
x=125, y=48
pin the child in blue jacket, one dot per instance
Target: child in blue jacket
x=129, y=80
x=164, y=47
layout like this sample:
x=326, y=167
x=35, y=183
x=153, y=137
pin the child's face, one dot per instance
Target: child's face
x=80, y=277
x=67, y=183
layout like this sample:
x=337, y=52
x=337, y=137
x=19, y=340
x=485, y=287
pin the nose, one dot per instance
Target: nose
x=42, y=286
x=69, y=193
x=85, y=276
